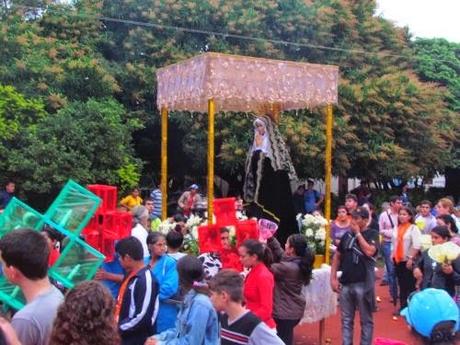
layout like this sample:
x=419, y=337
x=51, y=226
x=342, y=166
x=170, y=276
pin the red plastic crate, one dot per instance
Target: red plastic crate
x=108, y=194
x=225, y=211
x=94, y=240
x=92, y=226
x=116, y=224
x=209, y=238
x=246, y=229
x=108, y=249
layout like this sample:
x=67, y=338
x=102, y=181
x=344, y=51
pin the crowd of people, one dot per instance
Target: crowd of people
x=154, y=293
x=398, y=233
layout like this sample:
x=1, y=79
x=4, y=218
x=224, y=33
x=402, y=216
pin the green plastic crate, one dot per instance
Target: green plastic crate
x=11, y=294
x=78, y=262
x=69, y=214
x=19, y=215
x=73, y=208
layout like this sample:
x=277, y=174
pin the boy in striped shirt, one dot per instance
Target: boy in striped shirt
x=237, y=324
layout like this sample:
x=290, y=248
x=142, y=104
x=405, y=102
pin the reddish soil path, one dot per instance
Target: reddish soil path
x=384, y=325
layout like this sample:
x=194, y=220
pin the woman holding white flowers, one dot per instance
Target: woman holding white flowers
x=292, y=269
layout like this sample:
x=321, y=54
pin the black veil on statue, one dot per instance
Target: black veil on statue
x=267, y=184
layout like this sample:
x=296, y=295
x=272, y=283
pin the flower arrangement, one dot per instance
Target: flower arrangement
x=192, y=225
x=190, y=231
x=313, y=227
x=190, y=245
x=166, y=226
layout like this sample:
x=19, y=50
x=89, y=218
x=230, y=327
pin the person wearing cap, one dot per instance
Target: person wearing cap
x=356, y=256
x=434, y=315
x=189, y=199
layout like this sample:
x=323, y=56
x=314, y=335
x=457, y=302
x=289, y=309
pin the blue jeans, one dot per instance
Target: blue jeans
x=391, y=277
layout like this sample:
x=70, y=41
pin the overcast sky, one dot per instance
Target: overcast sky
x=425, y=18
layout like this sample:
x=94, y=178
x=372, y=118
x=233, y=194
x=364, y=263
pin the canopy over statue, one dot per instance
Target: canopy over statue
x=229, y=83
x=246, y=84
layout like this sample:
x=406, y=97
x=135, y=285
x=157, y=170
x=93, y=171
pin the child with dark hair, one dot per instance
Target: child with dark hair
x=292, y=270
x=259, y=283
x=196, y=322
x=137, y=303
x=448, y=221
x=24, y=255
x=174, y=241
x=237, y=324
x=54, y=239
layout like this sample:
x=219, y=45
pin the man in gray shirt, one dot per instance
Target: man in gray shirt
x=24, y=257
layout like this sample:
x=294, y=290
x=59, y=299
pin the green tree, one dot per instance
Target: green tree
x=438, y=61
x=87, y=141
x=16, y=113
x=67, y=56
x=385, y=114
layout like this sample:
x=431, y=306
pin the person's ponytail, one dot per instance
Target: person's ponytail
x=263, y=253
x=306, y=258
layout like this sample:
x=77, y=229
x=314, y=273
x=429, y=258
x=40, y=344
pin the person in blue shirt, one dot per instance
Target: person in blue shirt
x=312, y=198
x=7, y=194
x=156, y=197
x=111, y=275
x=164, y=269
x=197, y=322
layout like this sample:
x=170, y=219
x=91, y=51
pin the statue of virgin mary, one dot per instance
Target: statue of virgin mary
x=269, y=172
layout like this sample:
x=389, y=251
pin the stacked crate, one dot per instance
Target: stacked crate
x=108, y=224
x=69, y=214
x=225, y=215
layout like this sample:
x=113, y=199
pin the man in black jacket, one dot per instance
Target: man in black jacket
x=137, y=303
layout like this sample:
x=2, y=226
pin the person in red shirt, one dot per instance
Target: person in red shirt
x=259, y=283
x=228, y=254
x=54, y=239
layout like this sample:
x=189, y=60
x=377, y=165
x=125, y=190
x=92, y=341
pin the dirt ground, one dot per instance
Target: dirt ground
x=385, y=326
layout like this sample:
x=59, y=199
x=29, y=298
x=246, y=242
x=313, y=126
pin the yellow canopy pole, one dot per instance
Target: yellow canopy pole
x=164, y=163
x=328, y=177
x=327, y=203
x=211, y=111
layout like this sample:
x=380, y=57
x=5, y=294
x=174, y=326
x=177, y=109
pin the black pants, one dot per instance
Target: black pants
x=406, y=282
x=285, y=330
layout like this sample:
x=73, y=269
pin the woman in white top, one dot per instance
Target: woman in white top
x=141, y=224
x=406, y=243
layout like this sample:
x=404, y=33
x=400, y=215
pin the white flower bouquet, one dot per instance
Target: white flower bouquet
x=166, y=226
x=192, y=225
x=314, y=229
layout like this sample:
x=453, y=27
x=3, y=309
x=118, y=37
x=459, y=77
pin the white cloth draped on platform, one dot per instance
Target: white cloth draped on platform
x=321, y=300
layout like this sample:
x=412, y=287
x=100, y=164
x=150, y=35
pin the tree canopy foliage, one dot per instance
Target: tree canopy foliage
x=77, y=66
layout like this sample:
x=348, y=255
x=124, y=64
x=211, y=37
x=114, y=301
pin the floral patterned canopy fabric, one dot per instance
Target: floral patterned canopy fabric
x=246, y=84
